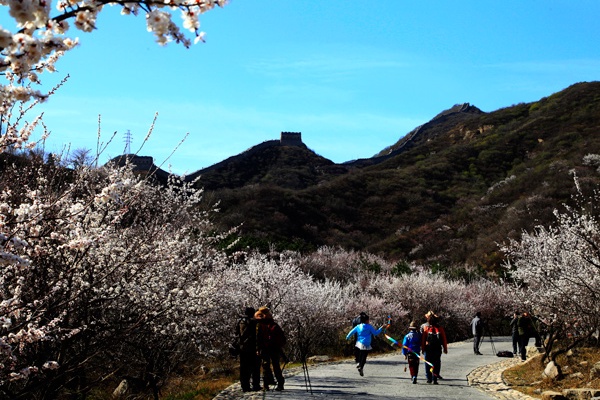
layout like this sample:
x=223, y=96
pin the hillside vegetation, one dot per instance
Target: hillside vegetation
x=445, y=194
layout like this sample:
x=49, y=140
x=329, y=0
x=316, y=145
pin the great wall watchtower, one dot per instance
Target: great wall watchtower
x=291, y=139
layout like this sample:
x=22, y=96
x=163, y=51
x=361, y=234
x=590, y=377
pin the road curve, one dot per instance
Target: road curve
x=384, y=378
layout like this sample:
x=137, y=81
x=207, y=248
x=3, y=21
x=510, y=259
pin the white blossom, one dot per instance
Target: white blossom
x=41, y=38
x=557, y=268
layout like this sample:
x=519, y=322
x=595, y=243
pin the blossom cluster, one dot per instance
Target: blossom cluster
x=42, y=29
x=556, y=270
x=314, y=309
x=103, y=262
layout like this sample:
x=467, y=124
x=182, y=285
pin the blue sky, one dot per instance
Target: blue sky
x=353, y=77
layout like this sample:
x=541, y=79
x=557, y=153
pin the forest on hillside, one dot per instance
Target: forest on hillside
x=465, y=184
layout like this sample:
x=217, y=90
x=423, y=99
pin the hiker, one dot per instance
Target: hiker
x=411, y=349
x=514, y=330
x=537, y=328
x=246, y=337
x=270, y=341
x=356, y=321
x=363, y=332
x=477, y=329
x=426, y=323
x=433, y=342
x=526, y=331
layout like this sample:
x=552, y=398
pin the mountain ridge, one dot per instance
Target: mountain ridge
x=448, y=193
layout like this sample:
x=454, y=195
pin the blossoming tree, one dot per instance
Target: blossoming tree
x=310, y=312
x=103, y=273
x=557, y=270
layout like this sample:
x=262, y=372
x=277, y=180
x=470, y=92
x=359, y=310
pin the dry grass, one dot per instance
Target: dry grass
x=193, y=385
x=199, y=385
x=527, y=377
x=197, y=388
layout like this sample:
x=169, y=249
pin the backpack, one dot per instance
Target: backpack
x=277, y=336
x=413, y=341
x=246, y=334
x=505, y=353
x=434, y=341
x=271, y=335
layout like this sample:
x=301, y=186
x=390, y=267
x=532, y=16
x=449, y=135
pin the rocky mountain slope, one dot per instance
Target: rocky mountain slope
x=445, y=194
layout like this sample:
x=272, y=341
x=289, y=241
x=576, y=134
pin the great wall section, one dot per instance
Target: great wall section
x=145, y=164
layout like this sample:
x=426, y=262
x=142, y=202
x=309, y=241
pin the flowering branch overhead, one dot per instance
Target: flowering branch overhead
x=41, y=37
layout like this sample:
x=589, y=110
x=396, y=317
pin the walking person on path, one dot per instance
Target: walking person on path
x=477, y=328
x=434, y=343
x=411, y=349
x=356, y=321
x=270, y=340
x=526, y=331
x=364, y=332
x=246, y=336
x=514, y=330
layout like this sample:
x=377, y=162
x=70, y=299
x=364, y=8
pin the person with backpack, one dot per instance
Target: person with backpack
x=270, y=340
x=246, y=342
x=364, y=331
x=477, y=329
x=424, y=325
x=411, y=349
x=433, y=343
x=526, y=331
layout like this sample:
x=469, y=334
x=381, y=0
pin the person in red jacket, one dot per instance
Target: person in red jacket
x=270, y=340
x=433, y=343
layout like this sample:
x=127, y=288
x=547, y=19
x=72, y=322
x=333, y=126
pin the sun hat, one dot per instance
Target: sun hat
x=263, y=313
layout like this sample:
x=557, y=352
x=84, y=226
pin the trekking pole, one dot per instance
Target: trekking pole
x=303, y=356
x=491, y=342
x=306, y=376
x=286, y=360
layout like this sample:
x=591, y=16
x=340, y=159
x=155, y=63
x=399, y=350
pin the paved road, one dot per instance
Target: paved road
x=384, y=377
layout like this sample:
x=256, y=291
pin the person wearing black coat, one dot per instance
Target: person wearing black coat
x=249, y=366
x=477, y=329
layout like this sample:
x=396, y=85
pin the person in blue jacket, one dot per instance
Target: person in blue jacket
x=364, y=332
x=411, y=349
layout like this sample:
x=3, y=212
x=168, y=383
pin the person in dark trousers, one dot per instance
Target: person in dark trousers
x=477, y=329
x=526, y=331
x=537, y=324
x=249, y=368
x=433, y=343
x=411, y=349
x=514, y=330
x=424, y=325
x=270, y=341
x=364, y=332
x=356, y=321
